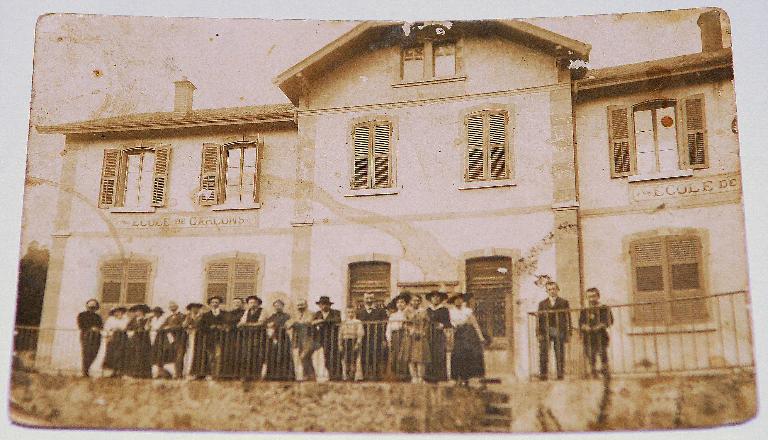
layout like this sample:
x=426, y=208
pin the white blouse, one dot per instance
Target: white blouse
x=396, y=321
x=460, y=316
x=113, y=324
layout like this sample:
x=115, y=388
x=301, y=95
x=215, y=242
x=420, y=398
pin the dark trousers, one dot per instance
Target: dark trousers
x=90, y=341
x=596, y=345
x=349, y=355
x=558, y=344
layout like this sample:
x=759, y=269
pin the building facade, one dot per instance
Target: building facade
x=468, y=157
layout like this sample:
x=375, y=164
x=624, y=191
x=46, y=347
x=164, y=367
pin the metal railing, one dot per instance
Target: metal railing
x=682, y=335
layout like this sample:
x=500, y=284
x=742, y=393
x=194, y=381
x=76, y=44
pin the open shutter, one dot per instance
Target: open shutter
x=244, y=278
x=620, y=140
x=369, y=276
x=695, y=131
x=136, y=281
x=160, y=178
x=649, y=281
x=210, y=181
x=684, y=256
x=497, y=145
x=362, y=139
x=475, y=157
x=217, y=279
x=381, y=156
x=109, y=177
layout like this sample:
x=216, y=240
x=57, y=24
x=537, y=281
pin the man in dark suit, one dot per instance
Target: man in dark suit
x=373, y=353
x=90, y=324
x=214, y=324
x=553, y=328
x=594, y=321
x=326, y=327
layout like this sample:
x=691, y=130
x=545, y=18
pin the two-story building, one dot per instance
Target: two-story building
x=465, y=156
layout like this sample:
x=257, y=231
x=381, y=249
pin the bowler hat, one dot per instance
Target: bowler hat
x=250, y=297
x=221, y=300
x=324, y=300
x=191, y=306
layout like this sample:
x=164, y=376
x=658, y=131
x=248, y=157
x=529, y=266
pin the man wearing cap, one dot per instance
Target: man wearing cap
x=252, y=339
x=373, y=351
x=553, y=328
x=326, y=326
x=214, y=325
x=90, y=324
x=302, y=341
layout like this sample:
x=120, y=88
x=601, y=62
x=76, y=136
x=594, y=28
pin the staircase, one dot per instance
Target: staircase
x=498, y=410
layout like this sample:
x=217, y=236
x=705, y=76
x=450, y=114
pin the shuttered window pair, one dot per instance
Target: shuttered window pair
x=487, y=156
x=665, y=270
x=230, y=278
x=489, y=281
x=229, y=173
x=369, y=276
x=657, y=136
x=124, y=281
x=135, y=177
x=372, y=163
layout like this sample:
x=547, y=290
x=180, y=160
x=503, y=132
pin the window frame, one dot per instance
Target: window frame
x=125, y=262
x=370, y=188
x=428, y=59
x=160, y=181
x=509, y=169
x=218, y=202
x=351, y=299
x=507, y=339
x=232, y=260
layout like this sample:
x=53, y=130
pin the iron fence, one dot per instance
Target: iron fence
x=682, y=335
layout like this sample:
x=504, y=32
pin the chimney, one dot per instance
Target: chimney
x=715, y=30
x=182, y=101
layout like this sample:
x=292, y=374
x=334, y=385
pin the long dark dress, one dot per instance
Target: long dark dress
x=437, y=369
x=215, y=329
x=115, y=355
x=279, y=360
x=252, y=342
x=174, y=341
x=195, y=346
x=399, y=347
x=373, y=350
x=139, y=348
x=231, y=343
x=467, y=355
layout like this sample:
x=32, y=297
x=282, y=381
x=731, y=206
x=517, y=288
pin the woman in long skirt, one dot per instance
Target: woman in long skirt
x=397, y=338
x=193, y=355
x=439, y=324
x=117, y=340
x=467, y=356
x=279, y=361
x=139, y=344
x=417, y=326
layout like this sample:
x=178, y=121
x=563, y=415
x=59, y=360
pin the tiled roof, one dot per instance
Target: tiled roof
x=664, y=67
x=257, y=114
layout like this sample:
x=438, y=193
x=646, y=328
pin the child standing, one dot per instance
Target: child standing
x=351, y=333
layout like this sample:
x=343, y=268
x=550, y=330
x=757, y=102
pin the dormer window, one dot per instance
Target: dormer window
x=413, y=63
x=444, y=59
x=428, y=60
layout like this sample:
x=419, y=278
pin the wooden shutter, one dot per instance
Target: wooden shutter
x=160, y=178
x=136, y=281
x=648, y=280
x=210, y=175
x=490, y=288
x=497, y=145
x=361, y=138
x=244, y=279
x=111, y=282
x=475, y=157
x=684, y=257
x=695, y=132
x=381, y=156
x=620, y=141
x=217, y=273
x=110, y=170
x=369, y=276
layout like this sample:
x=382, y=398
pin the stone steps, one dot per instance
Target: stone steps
x=498, y=410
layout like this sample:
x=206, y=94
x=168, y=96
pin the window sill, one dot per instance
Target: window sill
x=487, y=184
x=235, y=207
x=128, y=210
x=661, y=176
x=373, y=192
x=424, y=82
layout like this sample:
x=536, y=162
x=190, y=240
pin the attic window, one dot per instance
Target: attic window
x=413, y=63
x=444, y=59
x=428, y=60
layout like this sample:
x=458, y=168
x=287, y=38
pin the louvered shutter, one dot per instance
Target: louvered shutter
x=684, y=257
x=111, y=283
x=490, y=287
x=210, y=175
x=369, y=276
x=109, y=178
x=695, y=131
x=244, y=279
x=160, y=178
x=475, y=156
x=136, y=281
x=620, y=140
x=497, y=145
x=381, y=156
x=361, y=139
x=649, y=281
x=217, y=279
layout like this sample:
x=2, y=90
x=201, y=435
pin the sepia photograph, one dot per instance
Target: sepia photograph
x=493, y=225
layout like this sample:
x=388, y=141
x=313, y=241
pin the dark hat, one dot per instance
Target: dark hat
x=465, y=296
x=434, y=293
x=405, y=296
x=191, y=306
x=278, y=301
x=221, y=300
x=324, y=300
x=250, y=297
x=140, y=308
x=114, y=310
x=158, y=309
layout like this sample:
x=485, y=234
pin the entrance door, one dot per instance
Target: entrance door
x=489, y=281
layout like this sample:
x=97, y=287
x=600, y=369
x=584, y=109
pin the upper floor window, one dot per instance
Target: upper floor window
x=444, y=59
x=428, y=59
x=135, y=178
x=657, y=137
x=664, y=270
x=231, y=278
x=369, y=276
x=124, y=281
x=487, y=156
x=229, y=174
x=372, y=163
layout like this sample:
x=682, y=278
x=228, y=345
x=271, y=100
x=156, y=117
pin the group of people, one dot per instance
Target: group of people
x=403, y=340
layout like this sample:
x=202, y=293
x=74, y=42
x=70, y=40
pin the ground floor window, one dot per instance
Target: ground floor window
x=369, y=276
x=489, y=281
x=124, y=281
x=230, y=278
